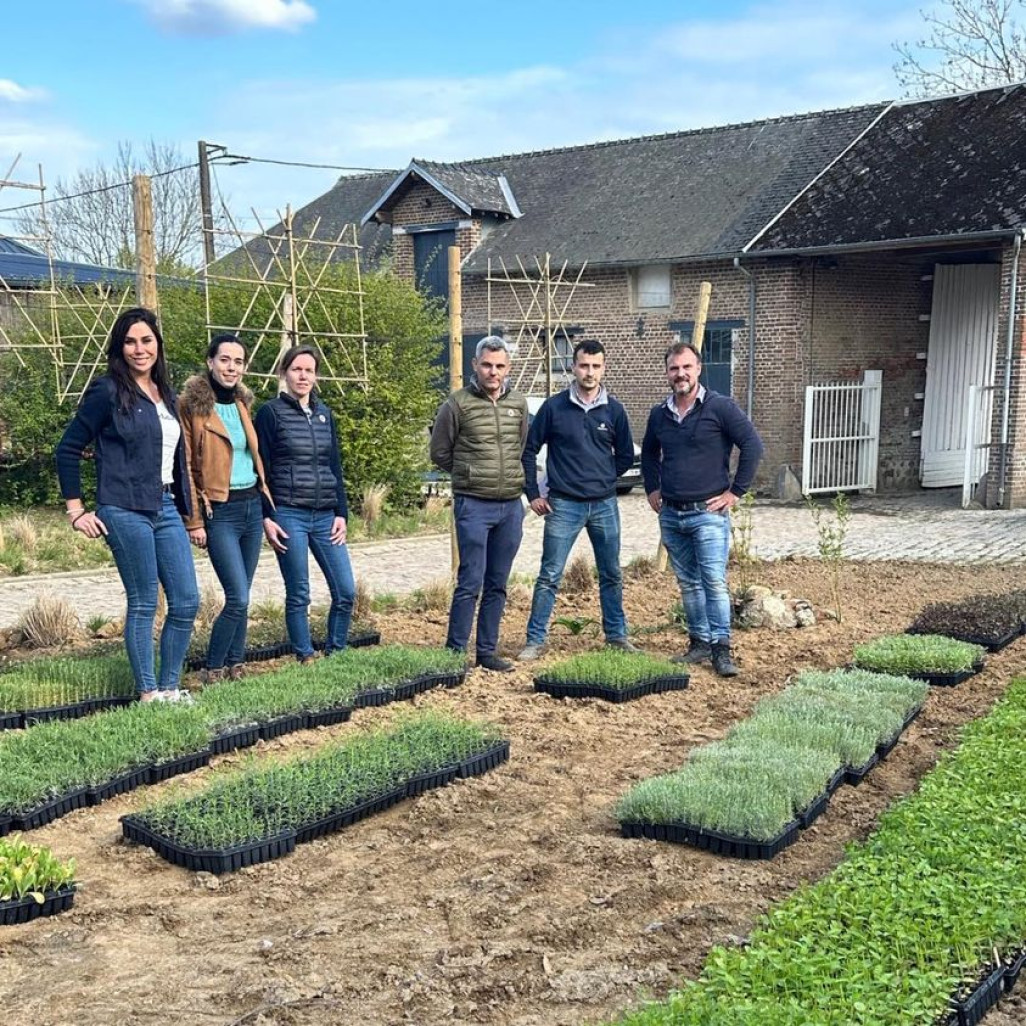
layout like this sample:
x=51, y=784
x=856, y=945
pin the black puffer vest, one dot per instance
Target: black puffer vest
x=300, y=458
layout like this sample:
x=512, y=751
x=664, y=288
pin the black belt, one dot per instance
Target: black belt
x=686, y=507
x=241, y=494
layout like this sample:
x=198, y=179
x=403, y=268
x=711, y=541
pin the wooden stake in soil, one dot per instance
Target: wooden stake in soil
x=455, y=369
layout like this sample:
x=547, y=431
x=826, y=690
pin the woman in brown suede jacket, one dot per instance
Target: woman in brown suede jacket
x=229, y=493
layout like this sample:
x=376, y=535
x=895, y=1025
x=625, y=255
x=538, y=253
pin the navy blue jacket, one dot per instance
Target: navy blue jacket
x=300, y=455
x=690, y=461
x=588, y=449
x=128, y=452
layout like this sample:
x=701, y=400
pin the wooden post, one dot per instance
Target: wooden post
x=548, y=325
x=455, y=369
x=206, y=210
x=697, y=338
x=145, y=254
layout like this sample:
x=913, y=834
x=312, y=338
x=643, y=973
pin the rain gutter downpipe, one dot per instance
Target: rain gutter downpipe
x=1009, y=346
x=750, y=399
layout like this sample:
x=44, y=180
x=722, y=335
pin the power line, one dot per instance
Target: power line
x=99, y=189
x=239, y=158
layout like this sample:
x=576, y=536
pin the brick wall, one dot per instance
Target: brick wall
x=1015, y=456
x=421, y=204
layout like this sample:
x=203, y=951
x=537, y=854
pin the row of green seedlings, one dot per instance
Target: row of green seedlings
x=33, y=882
x=58, y=682
x=923, y=923
x=57, y=766
x=993, y=621
x=250, y=811
x=757, y=783
x=611, y=673
x=931, y=657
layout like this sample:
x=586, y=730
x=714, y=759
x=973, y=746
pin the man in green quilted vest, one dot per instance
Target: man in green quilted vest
x=478, y=437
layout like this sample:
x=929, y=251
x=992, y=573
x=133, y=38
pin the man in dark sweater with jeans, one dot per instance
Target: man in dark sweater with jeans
x=589, y=447
x=685, y=461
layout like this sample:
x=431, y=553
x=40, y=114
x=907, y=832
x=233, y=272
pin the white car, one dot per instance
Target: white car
x=629, y=479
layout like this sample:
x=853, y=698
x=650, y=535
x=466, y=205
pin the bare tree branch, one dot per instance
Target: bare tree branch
x=971, y=44
x=99, y=228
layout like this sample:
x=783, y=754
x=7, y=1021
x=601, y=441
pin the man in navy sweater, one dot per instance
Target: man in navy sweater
x=685, y=461
x=589, y=447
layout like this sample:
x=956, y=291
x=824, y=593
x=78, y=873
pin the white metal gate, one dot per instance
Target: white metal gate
x=842, y=435
x=979, y=405
x=963, y=335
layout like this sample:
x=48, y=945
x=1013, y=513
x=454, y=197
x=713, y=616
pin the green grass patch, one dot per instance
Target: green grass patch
x=908, y=918
x=917, y=653
x=611, y=667
x=265, y=798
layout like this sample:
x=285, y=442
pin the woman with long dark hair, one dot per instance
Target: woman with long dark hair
x=227, y=480
x=130, y=418
x=299, y=447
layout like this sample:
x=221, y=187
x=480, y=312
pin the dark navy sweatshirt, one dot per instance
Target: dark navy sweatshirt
x=588, y=449
x=690, y=461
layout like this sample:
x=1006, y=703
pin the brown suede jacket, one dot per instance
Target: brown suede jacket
x=208, y=447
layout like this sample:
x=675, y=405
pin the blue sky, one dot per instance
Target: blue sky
x=372, y=85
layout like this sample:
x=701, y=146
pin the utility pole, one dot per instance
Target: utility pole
x=205, y=149
x=455, y=369
x=145, y=254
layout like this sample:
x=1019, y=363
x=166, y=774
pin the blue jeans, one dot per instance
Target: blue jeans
x=698, y=544
x=148, y=547
x=601, y=519
x=488, y=533
x=235, y=532
x=309, y=530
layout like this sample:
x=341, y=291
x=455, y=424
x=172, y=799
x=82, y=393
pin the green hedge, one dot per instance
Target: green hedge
x=907, y=919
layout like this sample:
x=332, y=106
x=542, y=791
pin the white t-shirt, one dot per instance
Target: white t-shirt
x=171, y=432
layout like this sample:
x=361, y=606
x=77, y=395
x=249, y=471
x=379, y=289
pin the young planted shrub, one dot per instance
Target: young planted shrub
x=918, y=654
x=48, y=682
x=28, y=871
x=611, y=667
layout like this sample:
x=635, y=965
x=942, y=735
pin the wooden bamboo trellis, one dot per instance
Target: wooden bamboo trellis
x=68, y=321
x=541, y=300
x=289, y=271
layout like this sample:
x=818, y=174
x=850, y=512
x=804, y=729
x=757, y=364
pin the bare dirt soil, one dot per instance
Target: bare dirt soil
x=508, y=900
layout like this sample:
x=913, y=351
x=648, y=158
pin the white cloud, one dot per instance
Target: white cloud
x=11, y=92
x=222, y=17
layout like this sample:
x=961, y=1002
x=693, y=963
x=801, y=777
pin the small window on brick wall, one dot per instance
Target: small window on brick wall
x=650, y=287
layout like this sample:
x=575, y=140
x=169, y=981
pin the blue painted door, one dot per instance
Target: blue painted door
x=431, y=262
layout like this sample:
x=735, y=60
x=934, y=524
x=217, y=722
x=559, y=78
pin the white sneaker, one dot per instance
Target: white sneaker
x=530, y=652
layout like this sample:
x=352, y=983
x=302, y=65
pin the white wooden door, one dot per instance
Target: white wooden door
x=963, y=336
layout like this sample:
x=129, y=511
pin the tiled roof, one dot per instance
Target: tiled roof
x=20, y=266
x=929, y=169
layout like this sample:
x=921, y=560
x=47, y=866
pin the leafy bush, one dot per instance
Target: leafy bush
x=263, y=799
x=611, y=667
x=917, y=653
x=29, y=871
x=910, y=917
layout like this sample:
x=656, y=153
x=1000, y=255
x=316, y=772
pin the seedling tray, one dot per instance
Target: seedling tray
x=347, y=817
x=23, y=910
x=948, y=680
x=235, y=737
x=50, y=810
x=429, y=780
x=711, y=840
x=484, y=761
x=5, y=825
x=211, y=860
x=813, y=810
x=836, y=780
x=854, y=775
x=608, y=692
x=10, y=721
x=989, y=642
x=886, y=747
x=326, y=717
x=282, y=725
x=372, y=697
x=71, y=711
x=261, y=653
x=123, y=782
x=182, y=764
x=969, y=1011
x=1013, y=969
